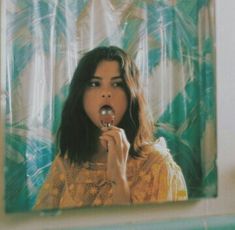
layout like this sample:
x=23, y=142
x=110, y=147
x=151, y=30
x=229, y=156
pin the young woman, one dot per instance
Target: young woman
x=114, y=161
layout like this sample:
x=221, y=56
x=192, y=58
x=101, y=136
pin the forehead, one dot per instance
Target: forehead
x=107, y=68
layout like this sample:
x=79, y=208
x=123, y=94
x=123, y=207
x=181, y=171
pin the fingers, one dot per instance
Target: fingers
x=117, y=134
x=116, y=141
x=105, y=129
x=107, y=142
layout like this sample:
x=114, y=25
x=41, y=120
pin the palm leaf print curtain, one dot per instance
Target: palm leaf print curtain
x=171, y=41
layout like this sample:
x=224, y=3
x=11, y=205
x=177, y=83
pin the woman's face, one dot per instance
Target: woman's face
x=105, y=89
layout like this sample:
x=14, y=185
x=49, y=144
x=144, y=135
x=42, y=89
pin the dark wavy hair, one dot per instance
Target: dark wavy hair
x=77, y=135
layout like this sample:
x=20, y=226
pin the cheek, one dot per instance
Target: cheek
x=121, y=100
x=85, y=101
x=89, y=102
x=124, y=102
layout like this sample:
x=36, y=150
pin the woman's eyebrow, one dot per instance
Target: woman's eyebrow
x=116, y=78
x=96, y=77
x=113, y=78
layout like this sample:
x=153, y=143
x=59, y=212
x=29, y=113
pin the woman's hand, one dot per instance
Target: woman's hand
x=114, y=139
x=118, y=149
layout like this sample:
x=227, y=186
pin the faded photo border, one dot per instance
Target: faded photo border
x=173, y=45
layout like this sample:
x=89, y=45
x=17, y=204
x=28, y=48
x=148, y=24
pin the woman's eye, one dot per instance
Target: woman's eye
x=117, y=84
x=93, y=84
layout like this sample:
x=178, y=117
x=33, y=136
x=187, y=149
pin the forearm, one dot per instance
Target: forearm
x=121, y=192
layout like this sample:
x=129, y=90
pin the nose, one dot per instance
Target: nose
x=106, y=94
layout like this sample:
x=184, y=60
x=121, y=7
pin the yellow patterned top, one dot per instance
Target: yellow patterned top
x=152, y=178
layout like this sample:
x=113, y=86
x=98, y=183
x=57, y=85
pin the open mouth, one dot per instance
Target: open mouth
x=107, y=115
x=106, y=110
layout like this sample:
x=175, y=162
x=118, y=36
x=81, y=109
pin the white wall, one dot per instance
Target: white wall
x=224, y=204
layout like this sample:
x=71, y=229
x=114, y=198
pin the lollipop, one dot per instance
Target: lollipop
x=106, y=116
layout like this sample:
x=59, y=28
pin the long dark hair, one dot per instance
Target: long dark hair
x=77, y=135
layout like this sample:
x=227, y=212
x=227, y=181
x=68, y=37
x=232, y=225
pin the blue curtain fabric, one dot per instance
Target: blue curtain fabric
x=171, y=41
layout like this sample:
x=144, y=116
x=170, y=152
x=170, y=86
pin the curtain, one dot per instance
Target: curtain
x=172, y=43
